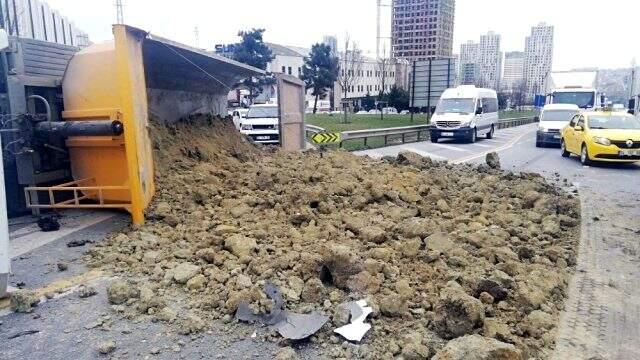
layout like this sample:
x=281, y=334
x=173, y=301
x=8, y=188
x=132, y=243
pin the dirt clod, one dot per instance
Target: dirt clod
x=23, y=301
x=107, y=347
x=476, y=347
x=119, y=291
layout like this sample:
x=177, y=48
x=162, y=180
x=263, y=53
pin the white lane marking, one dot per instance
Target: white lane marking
x=452, y=148
x=29, y=238
x=427, y=154
x=504, y=147
x=481, y=145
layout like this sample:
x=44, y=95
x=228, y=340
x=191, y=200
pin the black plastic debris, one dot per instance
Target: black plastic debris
x=48, y=224
x=289, y=325
x=78, y=243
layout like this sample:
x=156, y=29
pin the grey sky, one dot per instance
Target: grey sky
x=588, y=33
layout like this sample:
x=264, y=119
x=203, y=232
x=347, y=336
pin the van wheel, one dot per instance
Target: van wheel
x=474, y=136
x=563, y=150
x=434, y=138
x=490, y=133
x=584, y=156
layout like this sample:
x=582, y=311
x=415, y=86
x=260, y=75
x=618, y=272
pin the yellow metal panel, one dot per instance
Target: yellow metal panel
x=108, y=81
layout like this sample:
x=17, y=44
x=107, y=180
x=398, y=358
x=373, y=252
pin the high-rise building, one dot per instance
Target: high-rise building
x=538, y=60
x=513, y=69
x=468, y=70
x=332, y=41
x=422, y=29
x=490, y=61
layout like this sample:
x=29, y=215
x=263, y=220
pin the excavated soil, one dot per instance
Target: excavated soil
x=440, y=251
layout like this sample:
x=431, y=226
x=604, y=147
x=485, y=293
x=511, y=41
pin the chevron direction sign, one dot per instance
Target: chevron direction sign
x=327, y=138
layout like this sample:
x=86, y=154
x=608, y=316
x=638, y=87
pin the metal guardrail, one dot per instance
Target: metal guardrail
x=402, y=135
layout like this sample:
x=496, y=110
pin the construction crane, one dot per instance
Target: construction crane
x=119, y=12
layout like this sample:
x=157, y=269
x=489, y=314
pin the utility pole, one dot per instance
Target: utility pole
x=5, y=258
x=119, y=12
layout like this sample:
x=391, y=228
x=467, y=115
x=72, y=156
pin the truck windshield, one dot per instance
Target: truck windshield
x=620, y=122
x=557, y=115
x=459, y=106
x=262, y=112
x=584, y=100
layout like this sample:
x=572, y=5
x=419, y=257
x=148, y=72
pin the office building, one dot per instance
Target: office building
x=422, y=29
x=490, y=61
x=468, y=69
x=513, y=73
x=538, y=60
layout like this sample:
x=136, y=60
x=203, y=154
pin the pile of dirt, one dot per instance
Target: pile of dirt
x=441, y=252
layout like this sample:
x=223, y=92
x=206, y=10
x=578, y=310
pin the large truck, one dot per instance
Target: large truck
x=574, y=87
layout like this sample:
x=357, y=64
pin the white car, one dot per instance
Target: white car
x=553, y=119
x=374, y=112
x=238, y=115
x=262, y=124
x=362, y=112
x=389, y=110
x=405, y=112
x=465, y=112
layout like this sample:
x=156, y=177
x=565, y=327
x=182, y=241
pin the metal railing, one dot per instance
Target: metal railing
x=401, y=135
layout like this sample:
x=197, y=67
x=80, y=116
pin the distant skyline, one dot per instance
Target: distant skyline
x=586, y=35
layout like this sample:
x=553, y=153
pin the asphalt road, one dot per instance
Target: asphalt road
x=602, y=315
x=601, y=320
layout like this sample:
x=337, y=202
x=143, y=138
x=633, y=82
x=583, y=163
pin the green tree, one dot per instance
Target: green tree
x=252, y=50
x=320, y=71
x=398, y=98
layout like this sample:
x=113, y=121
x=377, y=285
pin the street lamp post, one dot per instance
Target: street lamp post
x=5, y=259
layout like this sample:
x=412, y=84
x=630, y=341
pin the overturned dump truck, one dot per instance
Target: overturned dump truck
x=109, y=91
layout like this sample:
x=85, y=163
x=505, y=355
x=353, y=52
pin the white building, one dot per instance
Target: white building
x=538, y=60
x=513, y=69
x=370, y=77
x=490, y=61
x=468, y=70
x=35, y=19
x=287, y=59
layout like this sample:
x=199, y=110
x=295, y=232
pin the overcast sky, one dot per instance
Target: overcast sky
x=588, y=33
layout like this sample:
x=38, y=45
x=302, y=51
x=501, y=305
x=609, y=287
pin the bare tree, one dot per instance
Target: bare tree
x=384, y=67
x=350, y=69
x=519, y=93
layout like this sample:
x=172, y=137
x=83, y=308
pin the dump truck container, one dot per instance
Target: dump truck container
x=123, y=81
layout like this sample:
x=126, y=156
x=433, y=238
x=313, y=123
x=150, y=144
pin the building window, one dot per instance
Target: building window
x=284, y=69
x=290, y=72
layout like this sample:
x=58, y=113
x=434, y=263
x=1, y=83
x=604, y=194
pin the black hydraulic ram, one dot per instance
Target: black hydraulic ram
x=80, y=128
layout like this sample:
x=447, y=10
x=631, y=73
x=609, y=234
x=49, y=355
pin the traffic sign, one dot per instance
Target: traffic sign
x=327, y=138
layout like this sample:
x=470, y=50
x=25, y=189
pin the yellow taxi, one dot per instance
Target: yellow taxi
x=602, y=136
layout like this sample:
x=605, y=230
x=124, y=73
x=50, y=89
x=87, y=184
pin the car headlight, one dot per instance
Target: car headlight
x=543, y=129
x=247, y=127
x=601, y=141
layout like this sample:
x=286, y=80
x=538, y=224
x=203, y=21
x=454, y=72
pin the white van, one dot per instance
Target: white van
x=465, y=112
x=553, y=119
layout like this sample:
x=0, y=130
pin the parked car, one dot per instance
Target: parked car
x=389, y=110
x=261, y=124
x=554, y=117
x=374, y=112
x=362, y=112
x=405, y=112
x=465, y=112
x=602, y=136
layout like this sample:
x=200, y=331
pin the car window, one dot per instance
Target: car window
x=489, y=105
x=581, y=121
x=235, y=113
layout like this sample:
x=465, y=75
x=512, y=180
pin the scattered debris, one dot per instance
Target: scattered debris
x=119, y=291
x=395, y=232
x=493, y=160
x=23, y=333
x=290, y=325
x=476, y=347
x=107, y=347
x=78, y=243
x=48, y=223
x=286, y=353
x=356, y=330
x=23, y=301
x=63, y=266
x=86, y=291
